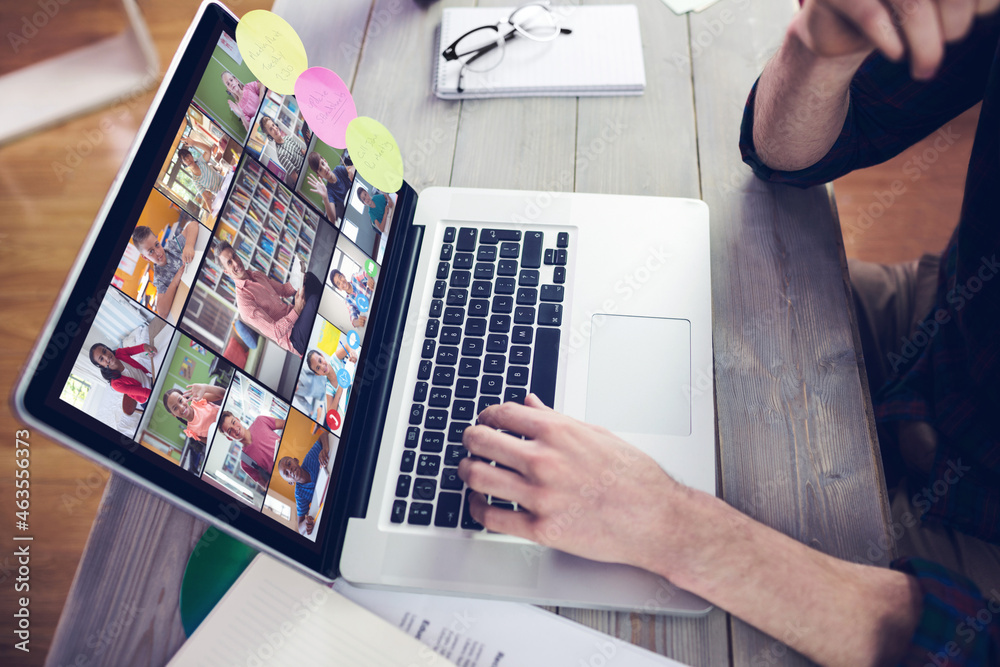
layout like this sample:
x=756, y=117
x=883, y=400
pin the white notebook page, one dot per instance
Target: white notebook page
x=273, y=615
x=602, y=56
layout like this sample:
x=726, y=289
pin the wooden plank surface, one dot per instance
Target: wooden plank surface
x=644, y=145
x=797, y=447
x=123, y=608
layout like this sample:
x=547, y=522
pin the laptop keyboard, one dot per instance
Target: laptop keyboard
x=492, y=335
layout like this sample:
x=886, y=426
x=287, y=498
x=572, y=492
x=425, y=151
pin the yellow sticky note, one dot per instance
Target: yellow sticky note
x=375, y=153
x=272, y=50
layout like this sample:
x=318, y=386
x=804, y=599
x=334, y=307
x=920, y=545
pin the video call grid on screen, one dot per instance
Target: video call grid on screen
x=221, y=380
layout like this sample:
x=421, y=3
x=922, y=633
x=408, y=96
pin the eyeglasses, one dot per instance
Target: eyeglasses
x=482, y=49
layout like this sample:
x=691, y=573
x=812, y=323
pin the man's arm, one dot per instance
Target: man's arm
x=801, y=104
x=279, y=331
x=832, y=611
x=283, y=289
x=802, y=96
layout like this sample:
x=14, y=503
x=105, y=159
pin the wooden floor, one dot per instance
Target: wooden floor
x=882, y=226
x=45, y=218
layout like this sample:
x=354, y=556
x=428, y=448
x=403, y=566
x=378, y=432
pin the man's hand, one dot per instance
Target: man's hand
x=324, y=454
x=586, y=491
x=149, y=349
x=300, y=301
x=306, y=524
x=917, y=29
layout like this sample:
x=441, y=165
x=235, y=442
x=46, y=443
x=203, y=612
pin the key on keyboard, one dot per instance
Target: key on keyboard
x=492, y=335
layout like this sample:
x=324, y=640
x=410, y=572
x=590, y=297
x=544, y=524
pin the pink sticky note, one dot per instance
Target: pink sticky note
x=326, y=104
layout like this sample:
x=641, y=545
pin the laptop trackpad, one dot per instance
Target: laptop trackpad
x=639, y=380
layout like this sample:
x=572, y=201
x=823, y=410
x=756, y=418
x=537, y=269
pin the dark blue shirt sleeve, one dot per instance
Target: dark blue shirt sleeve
x=959, y=626
x=889, y=111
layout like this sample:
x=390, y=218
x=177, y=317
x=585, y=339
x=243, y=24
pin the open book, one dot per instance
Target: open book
x=602, y=55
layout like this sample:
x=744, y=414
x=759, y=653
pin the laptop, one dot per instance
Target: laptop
x=257, y=334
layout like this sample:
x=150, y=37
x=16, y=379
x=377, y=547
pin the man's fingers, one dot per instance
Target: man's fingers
x=526, y=420
x=956, y=17
x=873, y=20
x=986, y=6
x=921, y=26
x=500, y=520
x=491, y=444
x=533, y=401
x=494, y=481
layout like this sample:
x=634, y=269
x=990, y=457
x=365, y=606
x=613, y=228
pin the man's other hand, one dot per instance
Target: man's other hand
x=915, y=29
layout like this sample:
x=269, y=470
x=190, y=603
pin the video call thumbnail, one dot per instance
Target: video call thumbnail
x=159, y=264
x=228, y=91
x=368, y=215
x=242, y=453
x=113, y=375
x=328, y=178
x=301, y=478
x=280, y=138
x=326, y=378
x=200, y=168
x=350, y=287
x=183, y=413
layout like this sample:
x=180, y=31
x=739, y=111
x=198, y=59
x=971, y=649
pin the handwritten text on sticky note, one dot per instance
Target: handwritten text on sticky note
x=375, y=153
x=326, y=104
x=272, y=50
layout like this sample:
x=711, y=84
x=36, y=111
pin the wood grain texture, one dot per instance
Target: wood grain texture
x=644, y=145
x=124, y=605
x=796, y=438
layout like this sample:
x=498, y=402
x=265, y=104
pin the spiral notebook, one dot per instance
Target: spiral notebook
x=602, y=56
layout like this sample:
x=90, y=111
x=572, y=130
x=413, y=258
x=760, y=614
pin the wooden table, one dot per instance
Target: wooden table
x=796, y=437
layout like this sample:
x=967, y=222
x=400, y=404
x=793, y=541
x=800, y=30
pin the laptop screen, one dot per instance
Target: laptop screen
x=224, y=347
